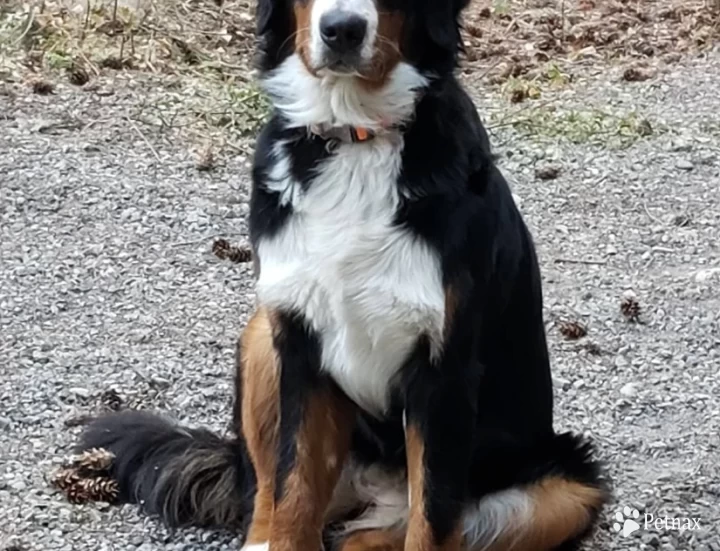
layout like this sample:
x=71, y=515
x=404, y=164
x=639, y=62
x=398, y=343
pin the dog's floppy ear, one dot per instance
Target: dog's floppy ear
x=440, y=22
x=274, y=27
x=266, y=13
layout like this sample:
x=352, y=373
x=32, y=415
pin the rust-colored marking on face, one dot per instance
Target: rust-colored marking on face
x=387, y=47
x=303, y=31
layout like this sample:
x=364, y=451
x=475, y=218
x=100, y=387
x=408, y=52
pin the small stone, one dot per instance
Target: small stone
x=684, y=164
x=43, y=87
x=547, y=172
x=160, y=381
x=629, y=295
x=629, y=389
x=682, y=220
x=651, y=539
x=704, y=275
x=18, y=486
x=637, y=74
x=668, y=547
x=79, y=391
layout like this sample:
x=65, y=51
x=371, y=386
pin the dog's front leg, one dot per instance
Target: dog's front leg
x=313, y=440
x=440, y=397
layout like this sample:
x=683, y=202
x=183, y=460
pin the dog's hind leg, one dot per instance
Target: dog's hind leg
x=553, y=513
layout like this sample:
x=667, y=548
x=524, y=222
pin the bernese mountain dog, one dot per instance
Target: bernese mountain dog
x=393, y=386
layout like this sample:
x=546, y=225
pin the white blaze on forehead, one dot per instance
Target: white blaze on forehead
x=362, y=8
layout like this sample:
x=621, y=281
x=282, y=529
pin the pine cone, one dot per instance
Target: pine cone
x=224, y=251
x=65, y=478
x=78, y=75
x=572, y=330
x=100, y=489
x=630, y=307
x=240, y=255
x=637, y=74
x=220, y=248
x=111, y=400
x=112, y=62
x=96, y=460
x=43, y=87
x=205, y=160
x=76, y=493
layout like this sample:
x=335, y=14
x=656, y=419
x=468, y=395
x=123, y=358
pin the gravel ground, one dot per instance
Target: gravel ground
x=107, y=282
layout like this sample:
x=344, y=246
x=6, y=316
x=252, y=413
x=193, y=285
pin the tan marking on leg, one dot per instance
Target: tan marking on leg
x=260, y=414
x=419, y=535
x=562, y=510
x=374, y=540
x=387, y=48
x=325, y=432
x=303, y=30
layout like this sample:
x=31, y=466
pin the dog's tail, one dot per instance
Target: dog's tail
x=185, y=476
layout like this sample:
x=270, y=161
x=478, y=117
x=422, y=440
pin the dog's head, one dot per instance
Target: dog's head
x=359, y=43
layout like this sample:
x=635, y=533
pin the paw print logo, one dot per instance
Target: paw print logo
x=626, y=521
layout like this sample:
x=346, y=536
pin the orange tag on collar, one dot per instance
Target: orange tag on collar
x=362, y=134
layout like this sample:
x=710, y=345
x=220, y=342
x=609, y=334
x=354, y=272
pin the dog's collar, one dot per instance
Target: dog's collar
x=345, y=134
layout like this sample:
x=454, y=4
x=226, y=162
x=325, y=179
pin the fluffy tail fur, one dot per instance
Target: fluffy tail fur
x=185, y=476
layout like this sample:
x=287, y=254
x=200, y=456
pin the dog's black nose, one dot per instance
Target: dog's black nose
x=343, y=32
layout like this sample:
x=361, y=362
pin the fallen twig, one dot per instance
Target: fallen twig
x=579, y=261
x=144, y=138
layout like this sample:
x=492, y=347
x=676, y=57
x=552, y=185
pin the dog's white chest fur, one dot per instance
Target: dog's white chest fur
x=367, y=287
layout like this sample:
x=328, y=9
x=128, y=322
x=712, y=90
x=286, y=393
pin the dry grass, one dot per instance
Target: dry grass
x=162, y=36
x=197, y=54
x=511, y=39
x=595, y=127
x=200, y=51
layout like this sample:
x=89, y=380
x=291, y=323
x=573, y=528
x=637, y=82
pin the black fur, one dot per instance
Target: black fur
x=298, y=351
x=274, y=27
x=484, y=407
x=185, y=476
